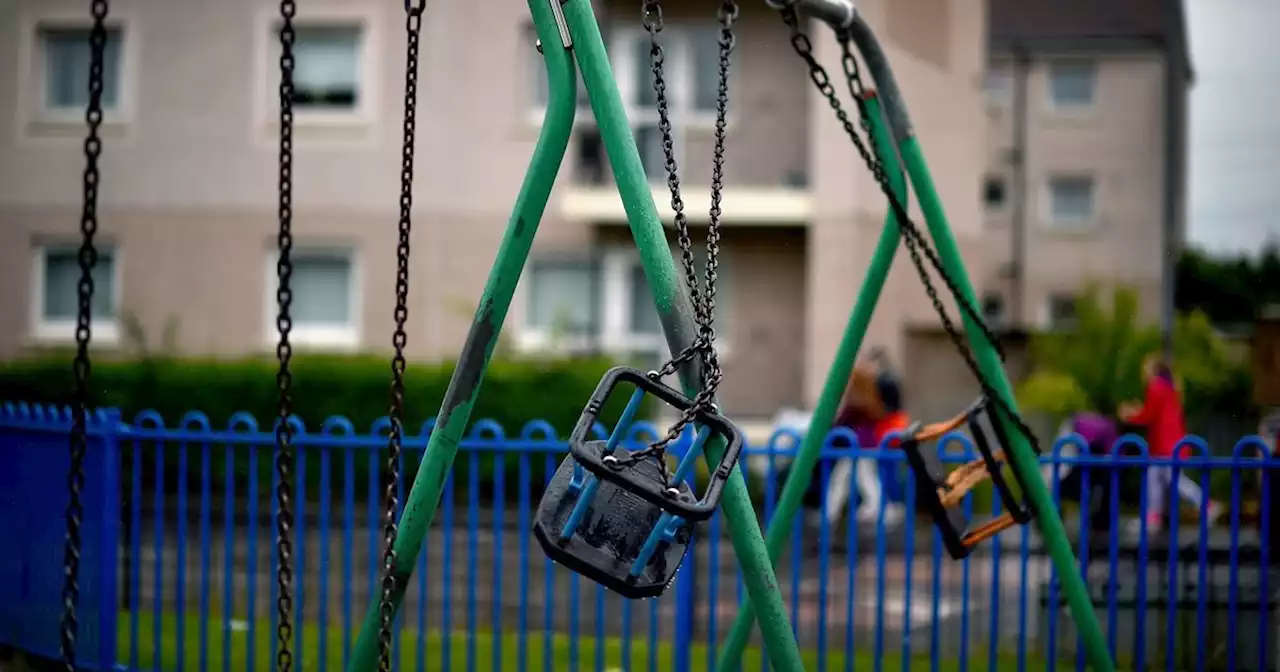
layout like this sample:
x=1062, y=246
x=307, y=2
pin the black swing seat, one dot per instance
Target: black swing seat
x=942, y=490
x=607, y=543
x=632, y=527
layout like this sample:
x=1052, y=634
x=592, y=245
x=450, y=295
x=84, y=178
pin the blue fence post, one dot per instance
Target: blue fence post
x=108, y=422
x=686, y=578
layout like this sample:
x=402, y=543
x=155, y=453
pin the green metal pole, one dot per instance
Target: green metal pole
x=824, y=413
x=1021, y=457
x=464, y=387
x=675, y=312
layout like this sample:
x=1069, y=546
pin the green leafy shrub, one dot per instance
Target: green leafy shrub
x=1097, y=364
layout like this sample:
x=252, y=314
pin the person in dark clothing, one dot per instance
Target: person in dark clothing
x=1100, y=434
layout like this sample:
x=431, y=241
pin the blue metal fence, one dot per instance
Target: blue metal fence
x=179, y=561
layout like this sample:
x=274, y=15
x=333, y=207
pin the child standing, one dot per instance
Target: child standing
x=1161, y=413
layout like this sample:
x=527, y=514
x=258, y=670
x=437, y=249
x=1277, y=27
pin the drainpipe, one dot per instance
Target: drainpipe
x=1018, y=187
x=1174, y=72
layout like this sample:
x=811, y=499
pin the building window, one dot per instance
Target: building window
x=326, y=74
x=1061, y=311
x=57, y=296
x=1072, y=84
x=601, y=302
x=992, y=308
x=1071, y=200
x=64, y=59
x=998, y=82
x=564, y=297
x=993, y=192
x=692, y=76
x=324, y=298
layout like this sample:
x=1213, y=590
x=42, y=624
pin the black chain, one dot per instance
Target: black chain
x=88, y=258
x=386, y=608
x=702, y=297
x=284, y=352
x=917, y=244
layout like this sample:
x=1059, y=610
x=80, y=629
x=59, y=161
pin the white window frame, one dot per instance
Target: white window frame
x=616, y=335
x=318, y=126
x=1070, y=224
x=343, y=338
x=103, y=330
x=36, y=119
x=1071, y=107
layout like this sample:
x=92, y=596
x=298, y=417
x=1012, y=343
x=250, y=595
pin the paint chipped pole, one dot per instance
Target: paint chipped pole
x=464, y=387
x=676, y=314
x=564, y=25
x=842, y=17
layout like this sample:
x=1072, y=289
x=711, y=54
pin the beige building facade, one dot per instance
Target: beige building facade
x=190, y=170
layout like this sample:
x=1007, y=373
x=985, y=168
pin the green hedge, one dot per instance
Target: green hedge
x=515, y=391
x=357, y=387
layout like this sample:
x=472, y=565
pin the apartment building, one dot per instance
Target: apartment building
x=190, y=170
x=1086, y=109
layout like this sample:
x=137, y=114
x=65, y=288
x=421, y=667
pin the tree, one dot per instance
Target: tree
x=1096, y=364
x=1228, y=290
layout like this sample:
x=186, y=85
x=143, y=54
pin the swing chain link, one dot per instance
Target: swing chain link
x=88, y=258
x=284, y=351
x=914, y=239
x=386, y=606
x=702, y=298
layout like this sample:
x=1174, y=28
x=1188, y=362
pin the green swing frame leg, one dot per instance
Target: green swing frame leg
x=575, y=21
x=1021, y=456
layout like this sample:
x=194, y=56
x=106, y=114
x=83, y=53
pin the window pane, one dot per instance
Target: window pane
x=1062, y=310
x=322, y=290
x=652, y=155
x=562, y=296
x=1072, y=198
x=998, y=79
x=643, y=72
x=706, y=67
x=993, y=192
x=643, y=316
x=723, y=289
x=992, y=307
x=66, y=57
x=62, y=277
x=325, y=74
x=1072, y=83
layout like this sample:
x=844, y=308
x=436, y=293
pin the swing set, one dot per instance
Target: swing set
x=615, y=516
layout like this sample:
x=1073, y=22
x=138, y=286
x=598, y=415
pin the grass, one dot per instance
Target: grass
x=562, y=655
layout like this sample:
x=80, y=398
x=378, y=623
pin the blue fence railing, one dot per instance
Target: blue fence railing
x=178, y=561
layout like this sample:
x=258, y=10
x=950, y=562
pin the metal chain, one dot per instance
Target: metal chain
x=916, y=243
x=88, y=258
x=702, y=297
x=284, y=352
x=386, y=608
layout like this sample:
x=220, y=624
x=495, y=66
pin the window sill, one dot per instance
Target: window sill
x=71, y=125
x=104, y=332
x=333, y=339
x=335, y=127
x=1071, y=228
x=1072, y=115
x=533, y=341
